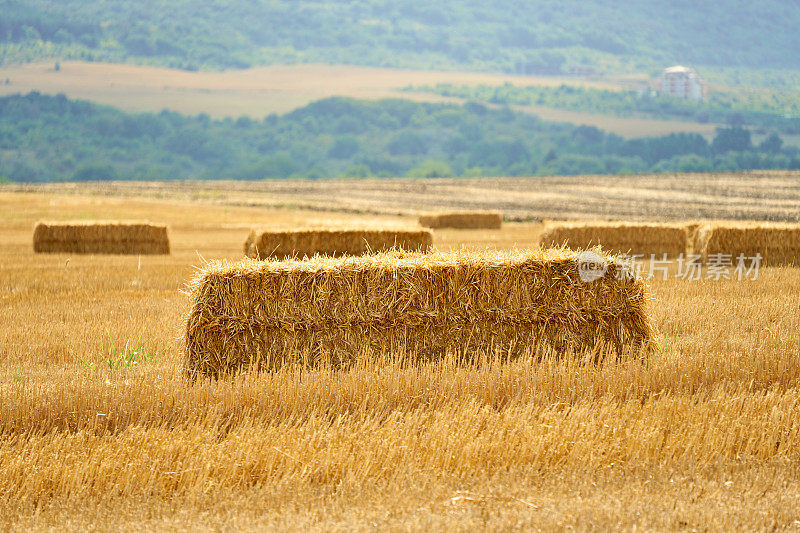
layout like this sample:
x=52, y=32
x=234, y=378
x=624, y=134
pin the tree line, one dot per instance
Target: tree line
x=54, y=138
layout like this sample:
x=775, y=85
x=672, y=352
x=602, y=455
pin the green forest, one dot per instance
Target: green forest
x=528, y=36
x=53, y=138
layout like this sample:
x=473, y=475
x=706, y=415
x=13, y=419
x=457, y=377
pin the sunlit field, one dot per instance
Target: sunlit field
x=257, y=92
x=757, y=195
x=252, y=92
x=99, y=426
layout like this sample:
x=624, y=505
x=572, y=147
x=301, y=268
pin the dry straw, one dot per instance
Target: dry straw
x=467, y=220
x=283, y=244
x=101, y=237
x=778, y=244
x=415, y=306
x=620, y=237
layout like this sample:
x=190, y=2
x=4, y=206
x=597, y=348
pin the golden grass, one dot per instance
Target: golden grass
x=778, y=244
x=265, y=315
x=630, y=127
x=465, y=220
x=701, y=434
x=619, y=237
x=101, y=237
x=298, y=243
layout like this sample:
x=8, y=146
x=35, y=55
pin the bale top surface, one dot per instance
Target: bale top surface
x=393, y=260
x=613, y=224
x=85, y=223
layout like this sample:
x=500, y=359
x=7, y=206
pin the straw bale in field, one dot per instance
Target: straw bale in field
x=467, y=220
x=619, y=237
x=101, y=237
x=778, y=244
x=282, y=244
x=420, y=306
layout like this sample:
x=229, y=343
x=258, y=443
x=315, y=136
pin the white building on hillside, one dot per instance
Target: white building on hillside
x=683, y=82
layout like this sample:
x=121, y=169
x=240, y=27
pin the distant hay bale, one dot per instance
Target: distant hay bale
x=101, y=237
x=263, y=314
x=619, y=237
x=283, y=244
x=466, y=220
x=778, y=244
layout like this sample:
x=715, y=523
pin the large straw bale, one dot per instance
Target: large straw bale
x=101, y=237
x=283, y=244
x=619, y=237
x=778, y=243
x=264, y=314
x=465, y=220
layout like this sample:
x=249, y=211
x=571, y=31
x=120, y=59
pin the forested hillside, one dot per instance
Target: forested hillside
x=529, y=36
x=52, y=138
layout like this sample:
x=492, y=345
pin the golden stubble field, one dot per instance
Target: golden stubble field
x=702, y=435
x=757, y=195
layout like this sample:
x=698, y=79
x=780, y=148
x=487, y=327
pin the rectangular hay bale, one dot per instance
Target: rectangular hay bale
x=778, y=243
x=283, y=244
x=619, y=237
x=462, y=220
x=101, y=237
x=262, y=315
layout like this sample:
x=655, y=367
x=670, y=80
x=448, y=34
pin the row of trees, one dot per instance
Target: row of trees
x=53, y=138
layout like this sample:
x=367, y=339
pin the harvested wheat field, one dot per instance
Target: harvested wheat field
x=467, y=220
x=298, y=243
x=619, y=237
x=778, y=244
x=101, y=237
x=100, y=427
x=422, y=307
x=757, y=195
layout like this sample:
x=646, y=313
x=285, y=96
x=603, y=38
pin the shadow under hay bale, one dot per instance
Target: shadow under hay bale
x=265, y=314
x=778, y=244
x=467, y=220
x=620, y=237
x=101, y=237
x=284, y=244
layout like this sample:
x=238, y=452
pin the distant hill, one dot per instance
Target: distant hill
x=527, y=36
x=53, y=138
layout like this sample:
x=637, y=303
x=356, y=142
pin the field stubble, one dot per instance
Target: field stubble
x=759, y=195
x=702, y=434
